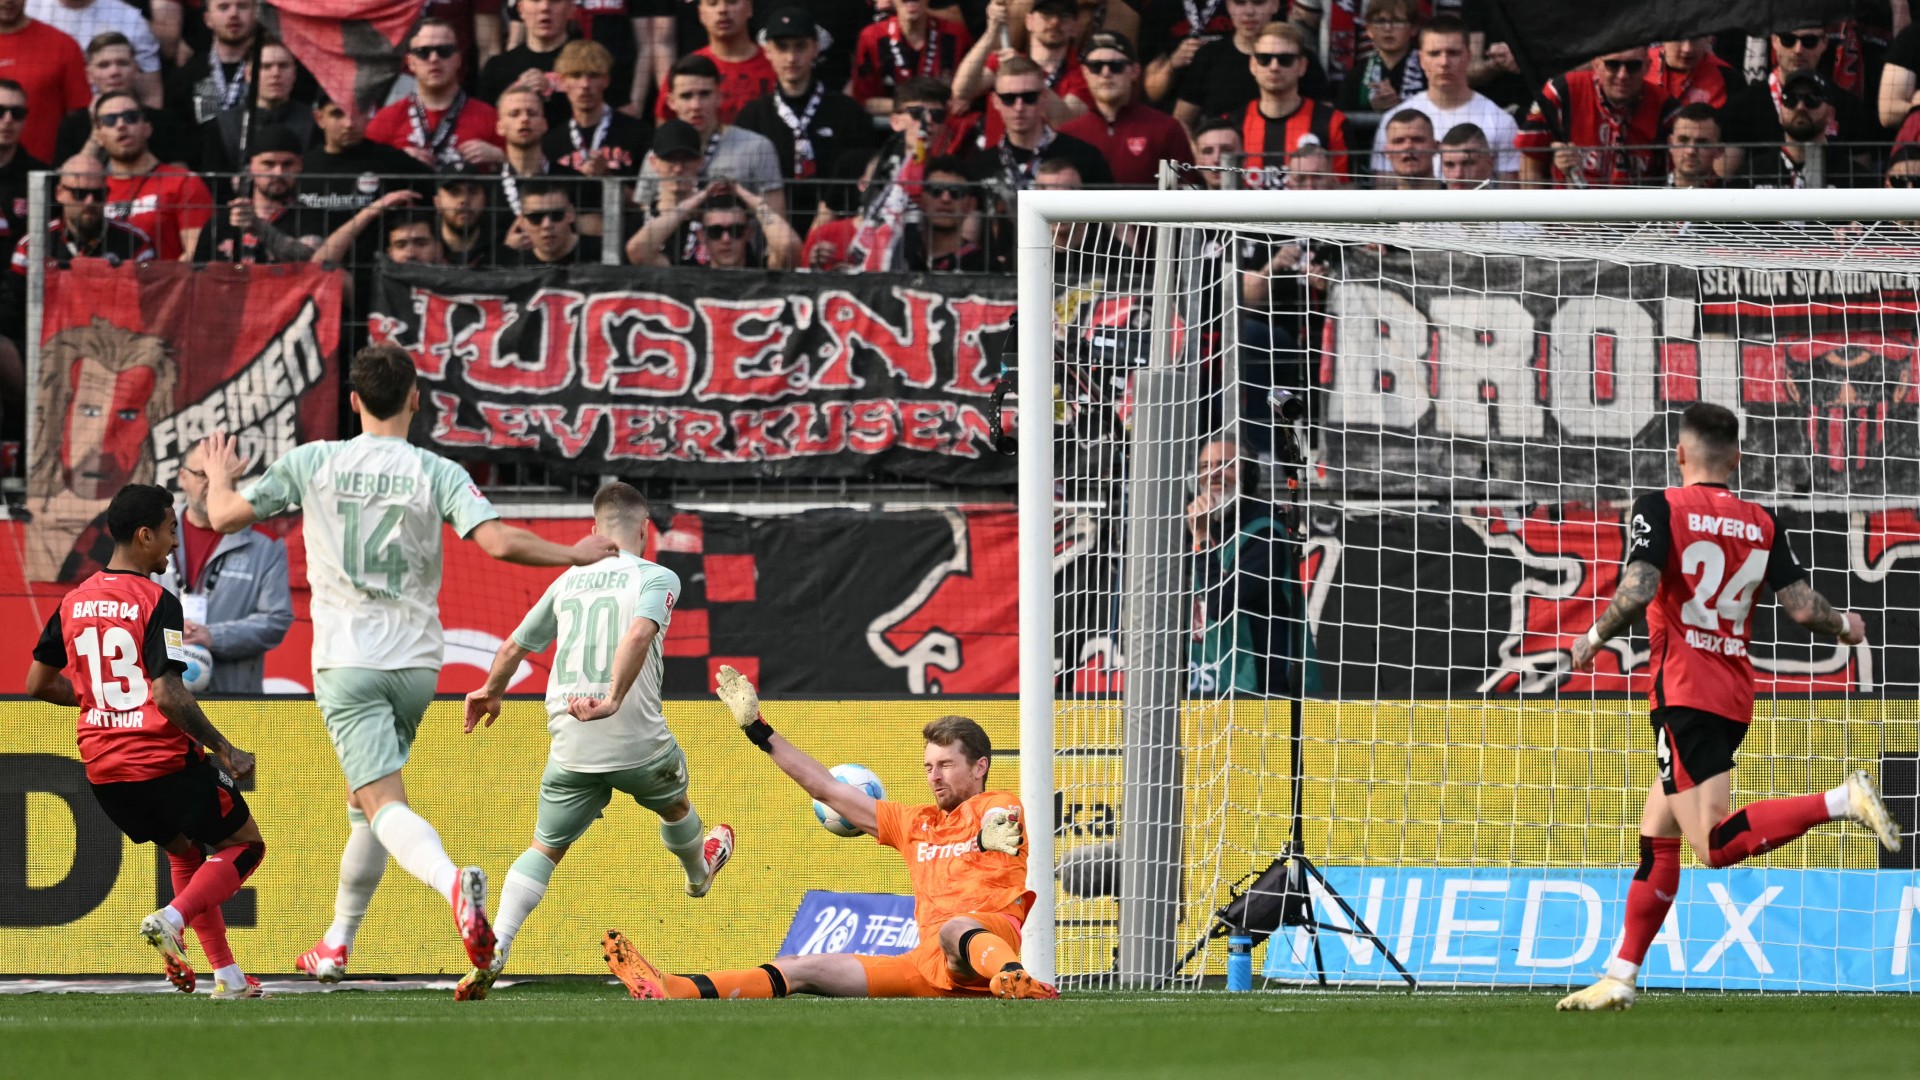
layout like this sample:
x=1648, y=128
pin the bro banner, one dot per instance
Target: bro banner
x=137, y=363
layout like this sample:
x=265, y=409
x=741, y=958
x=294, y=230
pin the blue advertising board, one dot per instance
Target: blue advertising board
x=870, y=924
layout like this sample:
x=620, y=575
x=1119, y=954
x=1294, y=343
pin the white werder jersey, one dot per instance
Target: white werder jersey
x=589, y=609
x=373, y=507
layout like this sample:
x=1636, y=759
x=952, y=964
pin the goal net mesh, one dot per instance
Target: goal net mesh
x=1482, y=402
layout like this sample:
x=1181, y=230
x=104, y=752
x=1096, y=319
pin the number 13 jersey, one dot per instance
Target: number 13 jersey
x=114, y=634
x=1714, y=551
x=372, y=509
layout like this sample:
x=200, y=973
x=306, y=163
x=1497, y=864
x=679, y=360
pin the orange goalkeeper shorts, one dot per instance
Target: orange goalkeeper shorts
x=923, y=972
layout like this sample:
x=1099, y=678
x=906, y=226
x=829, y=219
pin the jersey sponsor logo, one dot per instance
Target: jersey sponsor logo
x=106, y=609
x=1716, y=643
x=925, y=852
x=1712, y=525
x=1642, y=532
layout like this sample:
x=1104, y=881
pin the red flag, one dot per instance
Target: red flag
x=351, y=46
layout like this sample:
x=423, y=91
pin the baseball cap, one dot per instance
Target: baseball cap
x=458, y=174
x=1804, y=82
x=1109, y=39
x=1058, y=7
x=274, y=139
x=676, y=139
x=789, y=23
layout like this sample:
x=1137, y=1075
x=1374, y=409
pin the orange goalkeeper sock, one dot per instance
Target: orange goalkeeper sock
x=986, y=953
x=765, y=981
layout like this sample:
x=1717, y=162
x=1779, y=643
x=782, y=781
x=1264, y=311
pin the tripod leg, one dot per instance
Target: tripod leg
x=1360, y=927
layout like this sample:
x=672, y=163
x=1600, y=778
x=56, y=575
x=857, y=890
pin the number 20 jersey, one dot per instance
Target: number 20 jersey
x=1714, y=550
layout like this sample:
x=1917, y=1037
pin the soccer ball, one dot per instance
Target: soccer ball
x=199, y=667
x=859, y=776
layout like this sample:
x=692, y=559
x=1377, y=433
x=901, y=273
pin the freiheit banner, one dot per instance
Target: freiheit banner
x=664, y=373
x=138, y=363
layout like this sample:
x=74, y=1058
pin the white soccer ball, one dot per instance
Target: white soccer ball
x=199, y=663
x=859, y=776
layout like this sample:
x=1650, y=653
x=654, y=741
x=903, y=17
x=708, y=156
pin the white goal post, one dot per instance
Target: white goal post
x=1634, y=225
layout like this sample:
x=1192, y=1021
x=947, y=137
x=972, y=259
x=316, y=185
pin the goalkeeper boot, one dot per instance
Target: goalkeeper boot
x=1865, y=807
x=716, y=851
x=635, y=972
x=1607, y=995
x=161, y=934
x=326, y=963
x=1014, y=981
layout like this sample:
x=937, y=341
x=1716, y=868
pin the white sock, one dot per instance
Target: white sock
x=1839, y=807
x=232, y=976
x=522, y=891
x=416, y=847
x=1624, y=970
x=173, y=917
x=684, y=839
x=361, y=865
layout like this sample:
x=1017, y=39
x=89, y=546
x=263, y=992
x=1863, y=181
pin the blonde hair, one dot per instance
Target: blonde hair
x=583, y=58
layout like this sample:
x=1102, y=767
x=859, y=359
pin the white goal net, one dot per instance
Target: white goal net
x=1339, y=614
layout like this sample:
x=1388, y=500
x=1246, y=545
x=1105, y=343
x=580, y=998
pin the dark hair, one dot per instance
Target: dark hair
x=105, y=40
x=1698, y=112
x=693, y=64
x=13, y=85
x=1408, y=116
x=921, y=90
x=946, y=163
x=100, y=105
x=406, y=218
x=428, y=24
x=1462, y=134
x=136, y=507
x=727, y=203
x=1715, y=427
x=544, y=188
x=948, y=730
x=1057, y=164
x=622, y=501
x=1220, y=123
x=1902, y=154
x=1450, y=25
x=383, y=376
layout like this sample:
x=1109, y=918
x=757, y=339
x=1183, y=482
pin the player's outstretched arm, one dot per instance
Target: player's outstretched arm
x=854, y=805
x=49, y=684
x=512, y=544
x=178, y=705
x=628, y=659
x=484, y=703
x=1804, y=605
x=227, y=512
x=1638, y=583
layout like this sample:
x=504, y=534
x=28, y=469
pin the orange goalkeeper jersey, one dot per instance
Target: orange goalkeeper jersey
x=951, y=875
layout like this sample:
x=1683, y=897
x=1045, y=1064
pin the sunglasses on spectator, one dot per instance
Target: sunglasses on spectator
x=1904, y=181
x=128, y=117
x=85, y=194
x=1631, y=67
x=1284, y=59
x=1024, y=97
x=433, y=52
x=1805, y=41
x=541, y=217
x=733, y=231
x=1107, y=67
x=1803, y=99
x=13, y=112
x=946, y=191
x=927, y=114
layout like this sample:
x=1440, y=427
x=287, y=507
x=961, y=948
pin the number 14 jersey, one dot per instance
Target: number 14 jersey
x=1714, y=551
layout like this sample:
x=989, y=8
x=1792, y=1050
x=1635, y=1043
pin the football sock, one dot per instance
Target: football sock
x=526, y=883
x=1648, y=899
x=215, y=882
x=232, y=976
x=987, y=953
x=1758, y=828
x=362, y=862
x=416, y=847
x=765, y=981
x=211, y=926
x=684, y=840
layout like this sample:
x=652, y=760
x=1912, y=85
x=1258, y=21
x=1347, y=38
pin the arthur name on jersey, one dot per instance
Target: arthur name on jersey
x=1714, y=643
x=109, y=719
x=1709, y=525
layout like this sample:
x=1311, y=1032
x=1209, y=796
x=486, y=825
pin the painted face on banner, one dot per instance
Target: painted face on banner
x=106, y=427
x=1847, y=389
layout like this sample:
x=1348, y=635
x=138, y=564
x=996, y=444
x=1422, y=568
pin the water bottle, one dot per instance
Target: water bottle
x=1239, y=962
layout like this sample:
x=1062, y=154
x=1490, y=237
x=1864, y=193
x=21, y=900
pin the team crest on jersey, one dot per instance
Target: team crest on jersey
x=1136, y=145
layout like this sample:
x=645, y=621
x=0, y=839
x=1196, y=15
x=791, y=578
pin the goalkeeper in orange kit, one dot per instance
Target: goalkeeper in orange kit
x=966, y=856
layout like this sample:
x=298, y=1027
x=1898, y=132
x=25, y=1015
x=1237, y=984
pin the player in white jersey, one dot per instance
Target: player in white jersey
x=373, y=507
x=603, y=710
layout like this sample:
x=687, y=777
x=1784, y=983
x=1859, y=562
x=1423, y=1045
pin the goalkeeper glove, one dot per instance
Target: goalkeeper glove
x=1000, y=830
x=740, y=698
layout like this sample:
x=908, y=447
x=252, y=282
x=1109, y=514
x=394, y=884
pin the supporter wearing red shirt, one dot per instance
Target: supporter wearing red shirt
x=438, y=125
x=1052, y=28
x=1134, y=138
x=1688, y=71
x=166, y=202
x=1281, y=118
x=49, y=66
x=1598, y=113
x=910, y=44
x=745, y=71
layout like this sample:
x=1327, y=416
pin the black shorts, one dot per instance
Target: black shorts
x=1693, y=745
x=200, y=802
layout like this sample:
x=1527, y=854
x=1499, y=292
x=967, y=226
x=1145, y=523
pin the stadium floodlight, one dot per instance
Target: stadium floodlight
x=1576, y=324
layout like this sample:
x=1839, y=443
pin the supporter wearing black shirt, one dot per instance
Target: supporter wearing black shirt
x=221, y=138
x=346, y=173
x=1013, y=163
x=464, y=226
x=1753, y=115
x=110, y=69
x=547, y=218
x=595, y=139
x=266, y=225
x=531, y=62
x=215, y=78
x=1220, y=80
x=15, y=163
x=810, y=125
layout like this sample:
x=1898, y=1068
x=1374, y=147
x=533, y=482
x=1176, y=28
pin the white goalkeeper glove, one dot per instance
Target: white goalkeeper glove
x=1000, y=831
x=737, y=693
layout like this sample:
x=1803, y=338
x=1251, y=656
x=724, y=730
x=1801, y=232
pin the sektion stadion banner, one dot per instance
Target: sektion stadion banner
x=138, y=363
x=665, y=373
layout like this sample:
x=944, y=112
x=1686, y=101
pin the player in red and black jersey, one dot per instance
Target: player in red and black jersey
x=144, y=738
x=1697, y=557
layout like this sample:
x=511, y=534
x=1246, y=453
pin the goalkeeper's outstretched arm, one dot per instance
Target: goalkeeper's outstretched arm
x=856, y=806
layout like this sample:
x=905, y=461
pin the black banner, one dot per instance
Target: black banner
x=659, y=372
x=1557, y=35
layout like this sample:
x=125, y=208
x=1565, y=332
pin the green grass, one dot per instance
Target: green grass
x=579, y=1029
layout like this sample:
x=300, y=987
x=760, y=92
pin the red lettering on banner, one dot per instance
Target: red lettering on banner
x=744, y=366
x=571, y=439
x=446, y=422
x=975, y=432
x=620, y=327
x=507, y=427
x=697, y=434
x=1680, y=372
x=751, y=441
x=438, y=339
x=875, y=426
x=921, y=423
x=1763, y=376
x=907, y=352
x=807, y=417
x=1603, y=368
x=631, y=432
x=551, y=368
x=974, y=372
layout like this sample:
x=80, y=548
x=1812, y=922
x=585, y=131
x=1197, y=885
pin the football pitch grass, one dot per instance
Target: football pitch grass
x=586, y=1028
